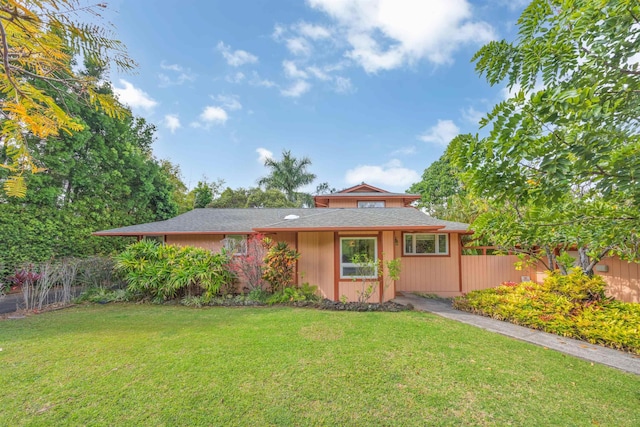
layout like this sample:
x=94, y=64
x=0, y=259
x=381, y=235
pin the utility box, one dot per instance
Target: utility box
x=602, y=268
x=525, y=278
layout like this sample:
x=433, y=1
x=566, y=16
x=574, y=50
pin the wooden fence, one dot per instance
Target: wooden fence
x=488, y=271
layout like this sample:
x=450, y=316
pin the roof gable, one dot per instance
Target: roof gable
x=362, y=188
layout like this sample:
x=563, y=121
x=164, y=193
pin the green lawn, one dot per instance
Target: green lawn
x=159, y=365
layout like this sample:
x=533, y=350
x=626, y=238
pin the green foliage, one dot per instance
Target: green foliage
x=279, y=266
x=570, y=305
x=561, y=162
x=253, y=197
x=205, y=192
x=163, y=272
x=287, y=175
x=100, y=177
x=303, y=293
x=370, y=273
x=102, y=295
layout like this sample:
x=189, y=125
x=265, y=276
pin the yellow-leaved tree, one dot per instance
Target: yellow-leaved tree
x=38, y=41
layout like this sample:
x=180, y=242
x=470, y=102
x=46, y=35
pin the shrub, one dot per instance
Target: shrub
x=279, y=265
x=163, y=272
x=291, y=294
x=573, y=306
x=249, y=266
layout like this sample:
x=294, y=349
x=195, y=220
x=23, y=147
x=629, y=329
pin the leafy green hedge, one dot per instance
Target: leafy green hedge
x=167, y=271
x=572, y=306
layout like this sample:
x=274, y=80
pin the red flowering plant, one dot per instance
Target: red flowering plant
x=25, y=276
x=249, y=265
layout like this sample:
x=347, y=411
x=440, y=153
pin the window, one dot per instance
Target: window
x=361, y=247
x=426, y=244
x=159, y=239
x=371, y=204
x=236, y=244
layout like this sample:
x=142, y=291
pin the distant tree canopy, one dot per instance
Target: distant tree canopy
x=253, y=197
x=443, y=195
x=561, y=163
x=100, y=177
x=288, y=175
x=39, y=41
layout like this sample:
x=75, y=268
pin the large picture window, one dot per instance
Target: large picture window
x=426, y=244
x=361, y=248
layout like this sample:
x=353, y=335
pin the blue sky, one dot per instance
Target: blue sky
x=369, y=90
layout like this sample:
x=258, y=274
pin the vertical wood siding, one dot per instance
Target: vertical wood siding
x=431, y=274
x=316, y=261
x=489, y=271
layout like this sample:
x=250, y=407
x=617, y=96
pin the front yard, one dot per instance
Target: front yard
x=162, y=365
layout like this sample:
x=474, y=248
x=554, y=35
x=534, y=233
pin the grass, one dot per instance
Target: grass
x=159, y=365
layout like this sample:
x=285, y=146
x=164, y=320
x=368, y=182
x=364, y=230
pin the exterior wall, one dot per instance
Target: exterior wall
x=213, y=242
x=316, y=263
x=488, y=271
x=353, y=203
x=430, y=274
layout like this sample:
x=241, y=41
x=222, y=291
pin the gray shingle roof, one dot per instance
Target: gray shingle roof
x=242, y=221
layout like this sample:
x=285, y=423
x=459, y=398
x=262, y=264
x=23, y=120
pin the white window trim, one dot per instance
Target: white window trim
x=350, y=264
x=413, y=244
x=232, y=237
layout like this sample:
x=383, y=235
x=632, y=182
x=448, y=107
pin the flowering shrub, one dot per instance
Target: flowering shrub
x=570, y=305
x=249, y=266
x=279, y=265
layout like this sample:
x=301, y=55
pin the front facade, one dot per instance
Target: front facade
x=361, y=220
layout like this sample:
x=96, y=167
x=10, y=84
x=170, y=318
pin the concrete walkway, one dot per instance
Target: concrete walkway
x=593, y=353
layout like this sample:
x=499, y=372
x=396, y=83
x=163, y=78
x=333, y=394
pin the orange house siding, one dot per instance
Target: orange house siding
x=316, y=263
x=430, y=274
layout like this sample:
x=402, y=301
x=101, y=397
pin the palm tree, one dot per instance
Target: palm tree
x=287, y=175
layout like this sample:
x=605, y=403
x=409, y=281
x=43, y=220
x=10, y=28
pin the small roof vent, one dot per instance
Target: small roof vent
x=291, y=217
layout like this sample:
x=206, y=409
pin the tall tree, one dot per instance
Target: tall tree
x=563, y=153
x=241, y=198
x=38, y=42
x=287, y=175
x=101, y=177
x=205, y=192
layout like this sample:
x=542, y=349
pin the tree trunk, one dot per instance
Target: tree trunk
x=585, y=261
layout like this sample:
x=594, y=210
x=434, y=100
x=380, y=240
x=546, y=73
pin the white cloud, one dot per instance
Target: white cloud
x=296, y=89
x=236, y=58
x=343, y=85
x=235, y=78
x=292, y=71
x=298, y=46
x=404, y=151
x=318, y=73
x=172, y=122
x=391, y=174
x=387, y=34
x=230, y=102
x=472, y=115
x=134, y=97
x=214, y=115
x=635, y=59
x=314, y=32
x=263, y=155
x=256, y=80
x=182, y=75
x=442, y=133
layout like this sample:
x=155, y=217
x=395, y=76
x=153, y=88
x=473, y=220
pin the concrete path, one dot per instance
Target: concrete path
x=593, y=353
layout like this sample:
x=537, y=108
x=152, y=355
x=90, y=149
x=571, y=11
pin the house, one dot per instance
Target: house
x=359, y=220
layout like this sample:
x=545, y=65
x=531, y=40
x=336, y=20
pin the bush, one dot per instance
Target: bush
x=572, y=305
x=303, y=293
x=279, y=266
x=163, y=272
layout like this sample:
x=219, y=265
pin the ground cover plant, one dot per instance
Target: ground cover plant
x=572, y=305
x=123, y=364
